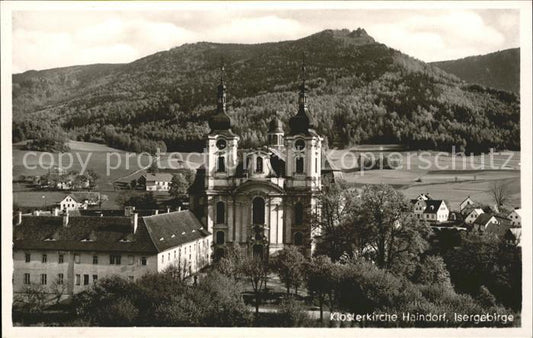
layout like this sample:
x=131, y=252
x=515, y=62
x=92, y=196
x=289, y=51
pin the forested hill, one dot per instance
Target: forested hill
x=498, y=70
x=360, y=91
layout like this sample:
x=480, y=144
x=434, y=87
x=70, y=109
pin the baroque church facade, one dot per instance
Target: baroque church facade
x=261, y=198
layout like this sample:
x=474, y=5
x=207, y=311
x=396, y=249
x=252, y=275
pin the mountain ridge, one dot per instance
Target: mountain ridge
x=500, y=69
x=359, y=91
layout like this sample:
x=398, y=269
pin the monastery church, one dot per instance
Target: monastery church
x=261, y=198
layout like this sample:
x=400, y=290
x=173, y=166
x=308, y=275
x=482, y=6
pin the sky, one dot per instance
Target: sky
x=58, y=38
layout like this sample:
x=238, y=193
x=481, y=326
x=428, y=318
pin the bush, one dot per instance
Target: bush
x=293, y=314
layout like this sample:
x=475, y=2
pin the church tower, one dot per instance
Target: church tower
x=304, y=146
x=222, y=160
x=303, y=167
x=275, y=133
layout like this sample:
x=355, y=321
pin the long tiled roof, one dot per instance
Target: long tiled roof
x=82, y=196
x=109, y=234
x=159, y=177
x=114, y=234
x=174, y=228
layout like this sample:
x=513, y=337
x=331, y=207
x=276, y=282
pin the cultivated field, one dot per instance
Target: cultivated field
x=123, y=167
x=420, y=172
x=441, y=175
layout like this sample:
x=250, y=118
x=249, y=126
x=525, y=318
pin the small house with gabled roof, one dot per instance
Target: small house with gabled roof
x=515, y=217
x=156, y=181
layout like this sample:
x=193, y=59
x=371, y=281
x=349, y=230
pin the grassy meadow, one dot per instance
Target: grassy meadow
x=433, y=173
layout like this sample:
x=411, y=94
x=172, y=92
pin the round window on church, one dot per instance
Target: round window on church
x=221, y=144
x=299, y=144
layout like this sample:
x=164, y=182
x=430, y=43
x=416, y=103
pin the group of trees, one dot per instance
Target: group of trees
x=359, y=91
x=162, y=299
x=374, y=224
x=40, y=136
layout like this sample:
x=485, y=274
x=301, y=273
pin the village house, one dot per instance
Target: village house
x=486, y=223
x=73, y=252
x=473, y=215
x=515, y=217
x=156, y=182
x=79, y=200
x=427, y=209
x=466, y=203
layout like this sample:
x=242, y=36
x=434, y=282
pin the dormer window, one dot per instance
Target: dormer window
x=259, y=165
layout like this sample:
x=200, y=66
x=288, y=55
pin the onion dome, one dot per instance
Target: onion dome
x=301, y=122
x=220, y=120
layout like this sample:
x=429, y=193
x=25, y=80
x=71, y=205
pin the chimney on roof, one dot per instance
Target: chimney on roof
x=179, y=209
x=19, y=218
x=135, y=221
x=156, y=212
x=168, y=210
x=65, y=219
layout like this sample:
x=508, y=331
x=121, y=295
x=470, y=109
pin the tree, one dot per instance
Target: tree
x=292, y=313
x=500, y=193
x=109, y=302
x=432, y=270
x=220, y=299
x=231, y=262
x=93, y=178
x=319, y=279
x=486, y=260
x=256, y=271
x=336, y=204
x=386, y=231
x=58, y=289
x=179, y=186
x=140, y=201
x=154, y=166
x=289, y=265
x=32, y=299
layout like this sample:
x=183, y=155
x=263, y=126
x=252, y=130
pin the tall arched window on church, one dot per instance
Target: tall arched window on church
x=220, y=237
x=221, y=164
x=259, y=164
x=299, y=165
x=221, y=213
x=258, y=210
x=298, y=214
